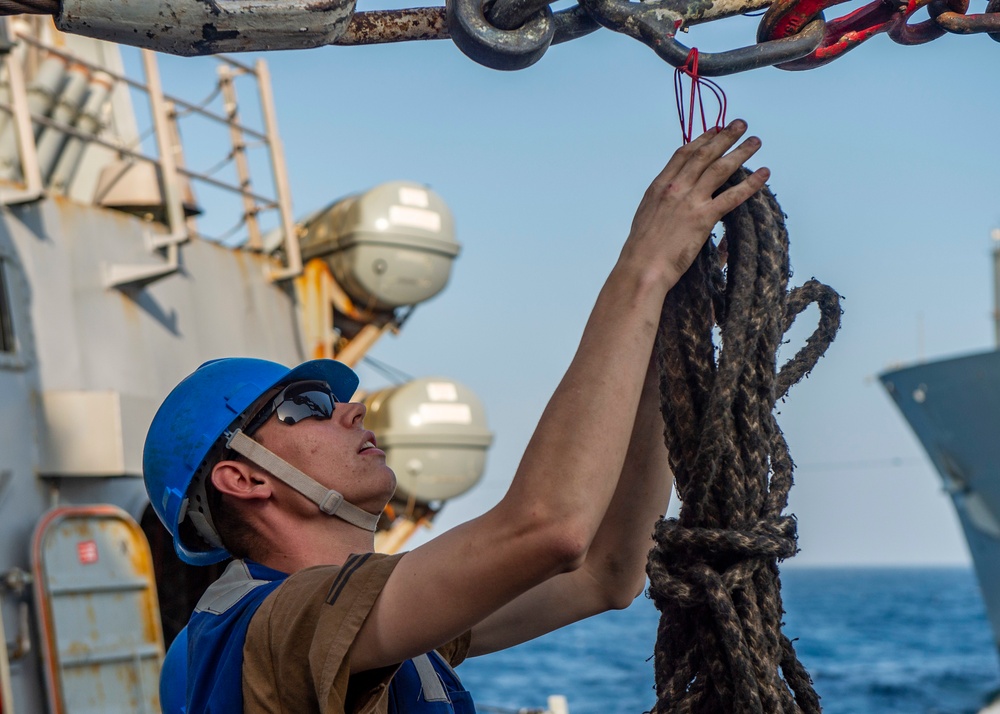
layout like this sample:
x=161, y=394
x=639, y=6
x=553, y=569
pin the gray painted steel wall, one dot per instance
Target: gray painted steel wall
x=83, y=341
x=953, y=407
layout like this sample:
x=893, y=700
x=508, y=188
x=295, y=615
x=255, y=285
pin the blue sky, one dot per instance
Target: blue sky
x=885, y=162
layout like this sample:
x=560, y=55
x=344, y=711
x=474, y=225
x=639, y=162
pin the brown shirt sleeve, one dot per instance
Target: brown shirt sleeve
x=457, y=650
x=296, y=657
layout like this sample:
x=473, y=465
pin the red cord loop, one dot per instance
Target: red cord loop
x=698, y=83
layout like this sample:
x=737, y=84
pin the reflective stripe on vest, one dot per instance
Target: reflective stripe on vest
x=428, y=685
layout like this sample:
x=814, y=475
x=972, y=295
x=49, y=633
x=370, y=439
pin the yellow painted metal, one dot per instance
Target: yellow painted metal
x=393, y=540
x=354, y=350
x=320, y=298
x=312, y=290
x=6, y=695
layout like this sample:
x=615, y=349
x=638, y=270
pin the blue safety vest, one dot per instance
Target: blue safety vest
x=428, y=685
x=212, y=673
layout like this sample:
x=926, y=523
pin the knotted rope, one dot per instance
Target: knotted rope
x=713, y=571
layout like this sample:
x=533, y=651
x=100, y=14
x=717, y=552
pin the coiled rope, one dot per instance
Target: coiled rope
x=713, y=571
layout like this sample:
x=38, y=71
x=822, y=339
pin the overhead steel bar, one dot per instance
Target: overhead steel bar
x=195, y=27
x=503, y=34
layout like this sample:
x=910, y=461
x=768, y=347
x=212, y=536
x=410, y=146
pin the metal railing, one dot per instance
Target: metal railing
x=165, y=112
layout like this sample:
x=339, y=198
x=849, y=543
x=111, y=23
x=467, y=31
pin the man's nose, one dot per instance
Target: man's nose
x=351, y=413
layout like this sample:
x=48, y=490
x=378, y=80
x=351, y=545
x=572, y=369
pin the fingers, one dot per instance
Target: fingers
x=705, y=155
x=719, y=171
x=734, y=196
x=680, y=207
x=716, y=166
x=692, y=161
x=684, y=154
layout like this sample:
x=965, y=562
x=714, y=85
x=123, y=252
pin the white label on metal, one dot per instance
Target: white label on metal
x=414, y=197
x=415, y=218
x=445, y=413
x=442, y=392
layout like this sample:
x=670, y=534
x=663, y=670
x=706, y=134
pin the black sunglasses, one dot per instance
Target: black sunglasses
x=297, y=401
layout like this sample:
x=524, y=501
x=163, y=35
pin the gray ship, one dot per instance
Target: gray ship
x=110, y=294
x=953, y=406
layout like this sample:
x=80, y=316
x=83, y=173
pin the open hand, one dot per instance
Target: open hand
x=678, y=211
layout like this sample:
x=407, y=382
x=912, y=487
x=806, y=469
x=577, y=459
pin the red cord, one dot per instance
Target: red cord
x=690, y=68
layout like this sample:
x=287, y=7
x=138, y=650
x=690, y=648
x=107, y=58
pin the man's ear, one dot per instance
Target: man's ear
x=240, y=480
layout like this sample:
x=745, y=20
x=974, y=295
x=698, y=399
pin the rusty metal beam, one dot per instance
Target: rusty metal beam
x=199, y=28
x=428, y=23
x=383, y=26
x=196, y=27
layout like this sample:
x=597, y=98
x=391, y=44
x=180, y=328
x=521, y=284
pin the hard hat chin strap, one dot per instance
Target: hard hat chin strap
x=329, y=501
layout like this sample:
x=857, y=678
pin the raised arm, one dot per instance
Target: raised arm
x=614, y=569
x=561, y=492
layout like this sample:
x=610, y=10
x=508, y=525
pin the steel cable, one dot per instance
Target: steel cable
x=714, y=570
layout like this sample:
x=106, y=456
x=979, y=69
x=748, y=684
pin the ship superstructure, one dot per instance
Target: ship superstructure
x=953, y=406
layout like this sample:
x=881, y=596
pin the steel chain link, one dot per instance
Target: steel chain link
x=905, y=33
x=656, y=27
x=962, y=24
x=514, y=34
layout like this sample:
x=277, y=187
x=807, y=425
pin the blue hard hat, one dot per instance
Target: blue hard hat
x=193, y=418
x=173, y=676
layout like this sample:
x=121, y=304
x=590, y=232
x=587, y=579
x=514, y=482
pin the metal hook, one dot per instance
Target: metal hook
x=654, y=24
x=762, y=54
x=841, y=34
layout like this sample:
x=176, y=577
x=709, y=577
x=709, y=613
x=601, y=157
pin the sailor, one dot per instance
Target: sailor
x=274, y=467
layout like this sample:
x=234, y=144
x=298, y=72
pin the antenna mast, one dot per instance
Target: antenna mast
x=995, y=235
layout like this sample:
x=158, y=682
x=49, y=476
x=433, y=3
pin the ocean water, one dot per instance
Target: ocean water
x=876, y=641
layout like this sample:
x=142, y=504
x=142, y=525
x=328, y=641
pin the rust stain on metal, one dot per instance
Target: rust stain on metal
x=141, y=560
x=383, y=26
x=128, y=676
x=77, y=648
x=76, y=526
x=327, y=6
x=95, y=676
